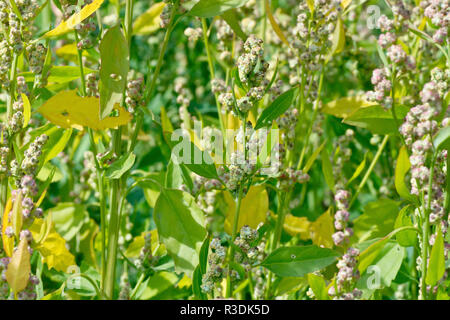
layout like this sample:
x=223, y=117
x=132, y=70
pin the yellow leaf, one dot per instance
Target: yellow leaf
x=165, y=121
x=75, y=19
x=275, y=25
x=310, y=4
x=322, y=230
x=134, y=249
x=8, y=243
x=19, y=268
x=17, y=218
x=297, y=226
x=345, y=3
x=338, y=40
x=148, y=22
x=343, y=107
x=184, y=282
x=70, y=52
x=52, y=247
x=68, y=110
x=26, y=110
x=253, y=210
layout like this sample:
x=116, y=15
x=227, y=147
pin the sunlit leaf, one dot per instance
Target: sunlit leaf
x=149, y=21
x=68, y=110
x=75, y=19
x=52, y=248
x=19, y=268
x=253, y=209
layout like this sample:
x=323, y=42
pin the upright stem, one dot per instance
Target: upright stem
x=212, y=73
x=426, y=232
x=116, y=196
x=369, y=171
x=233, y=237
x=170, y=27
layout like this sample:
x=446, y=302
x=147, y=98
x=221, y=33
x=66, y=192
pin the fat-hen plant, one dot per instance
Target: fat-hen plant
x=238, y=149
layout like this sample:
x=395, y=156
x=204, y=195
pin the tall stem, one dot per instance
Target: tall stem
x=369, y=171
x=212, y=73
x=170, y=27
x=9, y=110
x=426, y=232
x=116, y=196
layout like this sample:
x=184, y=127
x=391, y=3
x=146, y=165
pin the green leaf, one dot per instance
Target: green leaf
x=369, y=254
x=405, y=238
x=298, y=261
x=343, y=107
x=313, y=158
x=376, y=119
x=377, y=220
x=358, y=170
x=181, y=227
x=113, y=69
x=436, y=265
x=212, y=8
x=231, y=18
x=401, y=169
x=276, y=109
x=327, y=170
x=318, y=286
x=120, y=166
x=442, y=139
x=200, y=270
x=196, y=160
x=57, y=141
x=68, y=218
x=383, y=269
x=338, y=39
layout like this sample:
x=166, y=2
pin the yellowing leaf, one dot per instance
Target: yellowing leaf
x=297, y=226
x=322, y=229
x=134, y=249
x=18, y=272
x=26, y=110
x=8, y=243
x=253, y=210
x=75, y=19
x=17, y=218
x=68, y=110
x=184, y=282
x=343, y=107
x=52, y=247
x=148, y=22
x=275, y=25
x=338, y=40
x=345, y=3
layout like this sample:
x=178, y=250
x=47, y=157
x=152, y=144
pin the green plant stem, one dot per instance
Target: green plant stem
x=212, y=73
x=238, y=200
x=313, y=119
x=426, y=232
x=137, y=286
x=169, y=30
x=370, y=169
x=100, y=180
x=116, y=197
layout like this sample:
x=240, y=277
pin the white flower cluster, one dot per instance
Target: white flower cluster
x=343, y=233
x=438, y=11
x=348, y=274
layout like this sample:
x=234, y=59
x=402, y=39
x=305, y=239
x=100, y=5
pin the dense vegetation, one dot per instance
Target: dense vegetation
x=202, y=149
